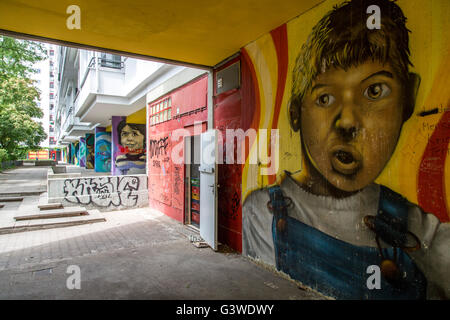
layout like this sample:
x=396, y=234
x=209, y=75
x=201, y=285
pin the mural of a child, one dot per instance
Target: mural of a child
x=132, y=138
x=352, y=92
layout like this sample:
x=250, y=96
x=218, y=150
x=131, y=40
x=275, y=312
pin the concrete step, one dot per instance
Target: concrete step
x=22, y=194
x=33, y=213
x=38, y=224
x=50, y=206
x=10, y=199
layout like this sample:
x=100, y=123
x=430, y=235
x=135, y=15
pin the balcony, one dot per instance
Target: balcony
x=110, y=87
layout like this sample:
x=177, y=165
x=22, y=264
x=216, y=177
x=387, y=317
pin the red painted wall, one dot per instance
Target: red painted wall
x=165, y=176
x=228, y=114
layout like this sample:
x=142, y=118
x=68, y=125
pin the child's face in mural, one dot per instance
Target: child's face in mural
x=132, y=139
x=350, y=123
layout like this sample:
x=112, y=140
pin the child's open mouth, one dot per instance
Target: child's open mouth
x=345, y=159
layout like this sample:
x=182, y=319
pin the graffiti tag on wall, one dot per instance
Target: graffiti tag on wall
x=103, y=191
x=158, y=147
x=178, y=186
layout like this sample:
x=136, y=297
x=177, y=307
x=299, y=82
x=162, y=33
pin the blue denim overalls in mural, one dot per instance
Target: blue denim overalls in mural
x=339, y=269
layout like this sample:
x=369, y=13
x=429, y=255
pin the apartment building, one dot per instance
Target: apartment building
x=95, y=87
x=45, y=82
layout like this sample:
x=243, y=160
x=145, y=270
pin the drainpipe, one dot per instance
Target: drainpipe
x=210, y=100
x=97, y=77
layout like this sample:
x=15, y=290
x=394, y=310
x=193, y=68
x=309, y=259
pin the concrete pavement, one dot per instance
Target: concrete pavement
x=135, y=254
x=26, y=179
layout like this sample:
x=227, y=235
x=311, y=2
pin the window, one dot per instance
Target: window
x=161, y=111
x=52, y=52
x=52, y=95
x=52, y=85
x=110, y=60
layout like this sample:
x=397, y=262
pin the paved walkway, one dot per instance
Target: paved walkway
x=135, y=254
x=24, y=179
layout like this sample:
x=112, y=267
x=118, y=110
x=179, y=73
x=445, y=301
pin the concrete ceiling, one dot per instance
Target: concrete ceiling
x=197, y=32
x=101, y=112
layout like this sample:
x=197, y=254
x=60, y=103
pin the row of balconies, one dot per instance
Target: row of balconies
x=95, y=86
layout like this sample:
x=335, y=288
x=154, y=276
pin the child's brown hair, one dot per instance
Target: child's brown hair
x=342, y=39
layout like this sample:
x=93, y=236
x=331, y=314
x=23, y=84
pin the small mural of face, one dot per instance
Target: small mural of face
x=132, y=139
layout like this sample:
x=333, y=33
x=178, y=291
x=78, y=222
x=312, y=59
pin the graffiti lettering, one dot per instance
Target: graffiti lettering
x=156, y=163
x=177, y=180
x=158, y=147
x=129, y=150
x=235, y=204
x=103, y=191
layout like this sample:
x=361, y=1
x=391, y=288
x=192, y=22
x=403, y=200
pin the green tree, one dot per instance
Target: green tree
x=19, y=130
x=18, y=56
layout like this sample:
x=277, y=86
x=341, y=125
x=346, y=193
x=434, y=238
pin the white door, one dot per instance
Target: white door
x=208, y=188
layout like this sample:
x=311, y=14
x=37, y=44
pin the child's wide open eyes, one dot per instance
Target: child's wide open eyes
x=325, y=100
x=377, y=91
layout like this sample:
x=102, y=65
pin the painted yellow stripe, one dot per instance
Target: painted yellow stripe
x=263, y=56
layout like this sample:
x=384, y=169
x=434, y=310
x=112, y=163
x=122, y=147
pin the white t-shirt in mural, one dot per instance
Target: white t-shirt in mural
x=343, y=220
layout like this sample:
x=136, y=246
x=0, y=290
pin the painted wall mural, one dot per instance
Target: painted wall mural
x=90, y=151
x=71, y=152
x=76, y=153
x=102, y=150
x=363, y=173
x=82, y=152
x=129, y=147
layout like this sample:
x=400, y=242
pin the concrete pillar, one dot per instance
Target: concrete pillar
x=90, y=150
x=82, y=152
x=115, y=143
x=103, y=154
x=71, y=153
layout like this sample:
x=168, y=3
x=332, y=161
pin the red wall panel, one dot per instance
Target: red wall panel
x=166, y=177
x=228, y=115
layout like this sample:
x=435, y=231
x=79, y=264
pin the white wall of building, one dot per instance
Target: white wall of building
x=42, y=83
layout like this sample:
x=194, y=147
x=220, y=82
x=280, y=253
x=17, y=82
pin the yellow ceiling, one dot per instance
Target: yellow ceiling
x=201, y=32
